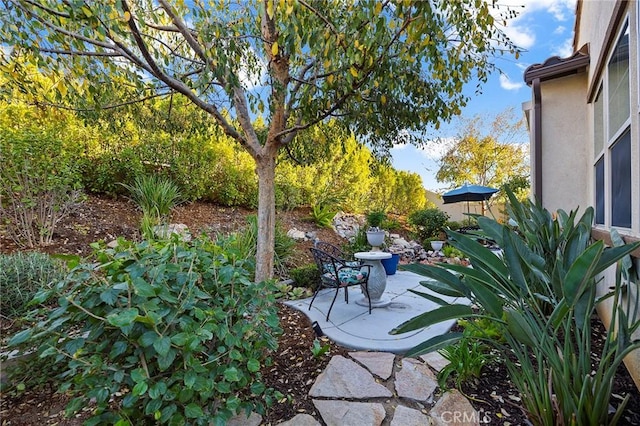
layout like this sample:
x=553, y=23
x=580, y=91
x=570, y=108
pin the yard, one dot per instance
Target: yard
x=295, y=368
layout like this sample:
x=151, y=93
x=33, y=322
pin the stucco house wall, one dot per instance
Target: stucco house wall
x=572, y=129
x=564, y=152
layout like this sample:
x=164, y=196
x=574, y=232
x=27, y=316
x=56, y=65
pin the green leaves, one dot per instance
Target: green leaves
x=151, y=327
x=540, y=296
x=123, y=318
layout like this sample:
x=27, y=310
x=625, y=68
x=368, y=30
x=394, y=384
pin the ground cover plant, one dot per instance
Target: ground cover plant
x=159, y=331
x=542, y=303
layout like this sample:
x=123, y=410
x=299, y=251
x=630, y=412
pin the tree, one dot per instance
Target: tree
x=382, y=67
x=488, y=155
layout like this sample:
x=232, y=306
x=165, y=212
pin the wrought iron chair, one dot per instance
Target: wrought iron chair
x=338, y=273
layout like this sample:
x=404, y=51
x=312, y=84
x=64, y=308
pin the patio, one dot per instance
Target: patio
x=350, y=325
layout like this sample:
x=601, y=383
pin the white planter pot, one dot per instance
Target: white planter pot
x=375, y=238
x=437, y=245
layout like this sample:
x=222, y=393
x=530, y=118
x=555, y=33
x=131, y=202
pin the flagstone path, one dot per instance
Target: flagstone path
x=380, y=388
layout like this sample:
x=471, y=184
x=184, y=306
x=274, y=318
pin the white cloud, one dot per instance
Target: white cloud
x=522, y=37
x=520, y=29
x=435, y=149
x=564, y=50
x=560, y=30
x=507, y=84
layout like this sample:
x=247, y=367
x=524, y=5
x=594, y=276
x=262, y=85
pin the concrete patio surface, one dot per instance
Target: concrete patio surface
x=351, y=326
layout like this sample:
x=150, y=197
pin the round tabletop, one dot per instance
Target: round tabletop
x=372, y=255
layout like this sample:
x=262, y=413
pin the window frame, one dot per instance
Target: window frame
x=608, y=139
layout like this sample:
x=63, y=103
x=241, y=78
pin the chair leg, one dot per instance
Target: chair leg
x=346, y=294
x=332, y=302
x=315, y=294
x=366, y=293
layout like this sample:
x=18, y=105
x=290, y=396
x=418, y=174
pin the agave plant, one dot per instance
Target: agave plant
x=541, y=293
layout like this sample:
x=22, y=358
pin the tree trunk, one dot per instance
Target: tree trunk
x=266, y=169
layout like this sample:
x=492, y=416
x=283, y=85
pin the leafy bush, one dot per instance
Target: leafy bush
x=306, y=276
x=428, y=223
x=450, y=251
x=40, y=178
x=160, y=332
x=453, y=225
x=22, y=275
x=542, y=306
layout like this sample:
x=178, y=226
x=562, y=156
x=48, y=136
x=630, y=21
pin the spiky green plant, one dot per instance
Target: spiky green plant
x=156, y=196
x=541, y=293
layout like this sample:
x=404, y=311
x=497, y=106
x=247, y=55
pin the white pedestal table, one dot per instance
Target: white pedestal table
x=377, y=278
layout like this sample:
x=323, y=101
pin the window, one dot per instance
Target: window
x=621, y=181
x=612, y=139
x=600, y=191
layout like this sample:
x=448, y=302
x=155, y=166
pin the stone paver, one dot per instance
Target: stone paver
x=435, y=360
x=405, y=416
x=301, y=420
x=379, y=363
x=415, y=380
x=345, y=413
x=344, y=378
x=344, y=381
x=454, y=409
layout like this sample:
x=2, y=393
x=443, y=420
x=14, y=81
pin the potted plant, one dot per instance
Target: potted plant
x=375, y=235
x=391, y=265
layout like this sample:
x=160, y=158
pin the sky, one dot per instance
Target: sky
x=543, y=28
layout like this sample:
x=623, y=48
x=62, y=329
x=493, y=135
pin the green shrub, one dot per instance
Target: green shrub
x=160, y=332
x=466, y=359
x=450, y=251
x=375, y=218
x=40, y=178
x=453, y=225
x=323, y=215
x=541, y=296
x=22, y=275
x=306, y=276
x=156, y=196
x=244, y=243
x=428, y=223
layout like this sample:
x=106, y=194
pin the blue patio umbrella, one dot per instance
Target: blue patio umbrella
x=468, y=193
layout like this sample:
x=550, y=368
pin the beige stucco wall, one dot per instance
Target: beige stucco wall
x=593, y=23
x=566, y=150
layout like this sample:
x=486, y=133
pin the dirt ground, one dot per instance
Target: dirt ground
x=294, y=369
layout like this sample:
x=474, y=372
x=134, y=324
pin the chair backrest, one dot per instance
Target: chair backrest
x=325, y=261
x=329, y=248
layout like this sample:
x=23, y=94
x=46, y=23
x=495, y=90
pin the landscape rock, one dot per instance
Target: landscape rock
x=347, y=225
x=165, y=231
x=344, y=378
x=301, y=420
x=344, y=413
x=379, y=363
x=297, y=234
x=415, y=380
x=454, y=409
x=435, y=360
x=405, y=416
